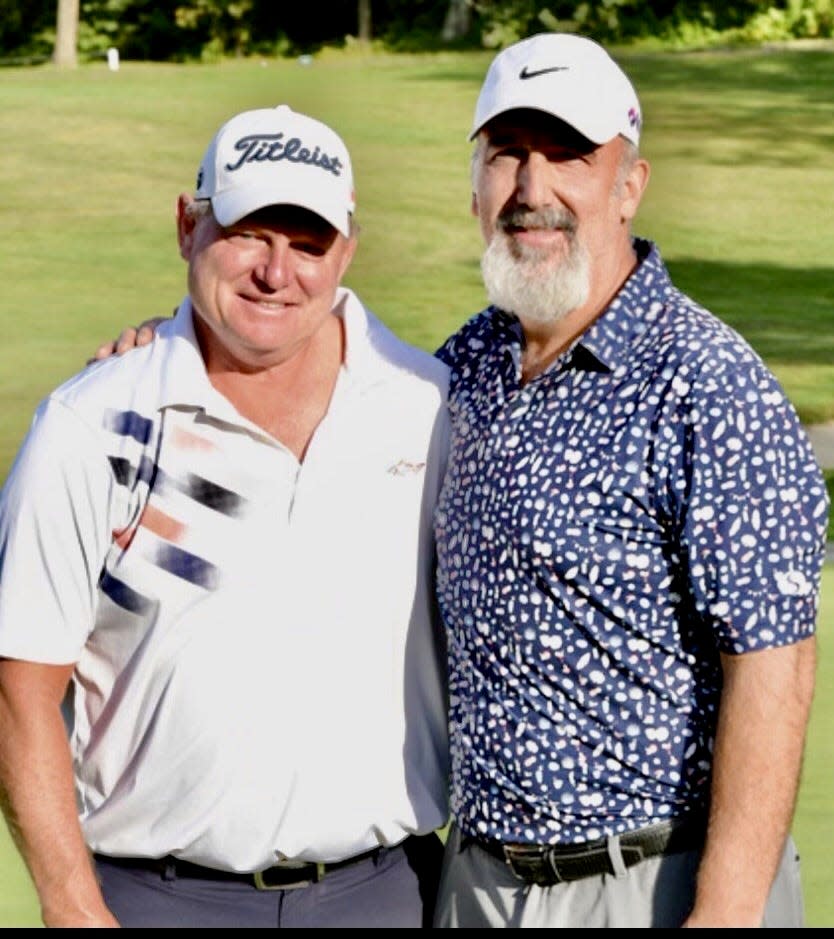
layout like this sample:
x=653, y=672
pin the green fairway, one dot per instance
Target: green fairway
x=741, y=204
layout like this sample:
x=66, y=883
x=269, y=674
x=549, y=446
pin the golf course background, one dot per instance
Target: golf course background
x=741, y=204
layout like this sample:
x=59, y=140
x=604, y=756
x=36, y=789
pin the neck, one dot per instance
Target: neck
x=288, y=400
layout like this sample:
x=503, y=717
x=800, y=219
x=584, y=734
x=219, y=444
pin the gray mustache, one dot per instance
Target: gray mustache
x=537, y=218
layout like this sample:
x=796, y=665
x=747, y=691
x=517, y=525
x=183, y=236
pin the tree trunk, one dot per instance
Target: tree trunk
x=65, y=53
x=365, y=21
x=458, y=20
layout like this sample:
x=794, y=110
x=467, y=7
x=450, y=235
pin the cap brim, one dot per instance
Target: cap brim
x=579, y=120
x=230, y=207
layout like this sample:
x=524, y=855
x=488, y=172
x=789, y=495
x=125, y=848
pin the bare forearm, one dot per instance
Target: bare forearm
x=759, y=744
x=38, y=801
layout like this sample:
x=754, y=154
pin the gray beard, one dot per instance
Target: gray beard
x=530, y=283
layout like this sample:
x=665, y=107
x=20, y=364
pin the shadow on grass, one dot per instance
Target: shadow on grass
x=785, y=313
x=733, y=108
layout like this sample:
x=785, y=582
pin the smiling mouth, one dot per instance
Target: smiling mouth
x=538, y=236
x=533, y=229
x=270, y=304
x=537, y=243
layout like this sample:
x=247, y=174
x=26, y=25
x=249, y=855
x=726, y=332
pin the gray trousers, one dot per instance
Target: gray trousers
x=397, y=889
x=479, y=890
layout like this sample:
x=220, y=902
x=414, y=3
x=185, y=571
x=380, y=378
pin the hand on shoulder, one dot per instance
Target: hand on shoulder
x=131, y=337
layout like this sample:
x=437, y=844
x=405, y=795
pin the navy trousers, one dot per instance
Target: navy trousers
x=396, y=888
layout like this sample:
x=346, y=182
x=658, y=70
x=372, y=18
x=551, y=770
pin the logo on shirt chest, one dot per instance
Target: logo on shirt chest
x=405, y=468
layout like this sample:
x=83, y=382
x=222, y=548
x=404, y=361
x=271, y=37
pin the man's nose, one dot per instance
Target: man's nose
x=533, y=184
x=274, y=269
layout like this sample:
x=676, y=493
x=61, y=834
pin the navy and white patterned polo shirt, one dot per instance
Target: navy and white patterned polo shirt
x=604, y=532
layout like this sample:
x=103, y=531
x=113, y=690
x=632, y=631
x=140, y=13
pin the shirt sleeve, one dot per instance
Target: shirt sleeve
x=753, y=509
x=54, y=536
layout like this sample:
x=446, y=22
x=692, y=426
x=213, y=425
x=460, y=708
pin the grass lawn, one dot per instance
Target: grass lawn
x=829, y=485
x=741, y=204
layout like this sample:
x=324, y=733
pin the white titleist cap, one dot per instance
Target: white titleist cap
x=570, y=77
x=275, y=156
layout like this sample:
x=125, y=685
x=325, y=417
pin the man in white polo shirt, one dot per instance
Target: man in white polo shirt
x=216, y=570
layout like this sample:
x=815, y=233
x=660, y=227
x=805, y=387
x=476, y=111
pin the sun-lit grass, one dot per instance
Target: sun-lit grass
x=741, y=203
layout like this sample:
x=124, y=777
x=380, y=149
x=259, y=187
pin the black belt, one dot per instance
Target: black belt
x=284, y=876
x=547, y=865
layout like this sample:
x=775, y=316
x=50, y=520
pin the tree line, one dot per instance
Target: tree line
x=184, y=30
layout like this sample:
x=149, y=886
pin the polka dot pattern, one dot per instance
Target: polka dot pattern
x=604, y=532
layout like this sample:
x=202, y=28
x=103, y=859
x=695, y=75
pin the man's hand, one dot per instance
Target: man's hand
x=129, y=338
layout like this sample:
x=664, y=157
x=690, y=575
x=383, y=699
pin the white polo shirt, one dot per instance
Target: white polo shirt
x=259, y=665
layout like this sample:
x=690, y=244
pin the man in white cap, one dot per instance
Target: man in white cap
x=630, y=537
x=216, y=564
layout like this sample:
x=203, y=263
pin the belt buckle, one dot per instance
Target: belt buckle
x=632, y=854
x=529, y=862
x=261, y=884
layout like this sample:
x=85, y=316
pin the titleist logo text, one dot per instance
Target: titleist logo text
x=259, y=148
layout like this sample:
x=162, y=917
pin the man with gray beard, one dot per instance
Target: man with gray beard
x=630, y=536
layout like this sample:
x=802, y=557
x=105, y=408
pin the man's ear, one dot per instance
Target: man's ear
x=473, y=208
x=350, y=249
x=185, y=226
x=633, y=187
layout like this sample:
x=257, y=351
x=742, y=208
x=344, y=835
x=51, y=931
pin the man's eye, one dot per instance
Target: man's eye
x=508, y=153
x=310, y=248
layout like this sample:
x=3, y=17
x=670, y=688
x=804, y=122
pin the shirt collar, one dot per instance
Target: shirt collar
x=373, y=353
x=184, y=377
x=608, y=338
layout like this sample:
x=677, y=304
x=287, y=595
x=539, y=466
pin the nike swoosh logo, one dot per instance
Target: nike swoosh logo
x=526, y=73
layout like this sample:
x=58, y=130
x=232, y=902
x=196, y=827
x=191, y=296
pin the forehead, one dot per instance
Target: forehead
x=529, y=127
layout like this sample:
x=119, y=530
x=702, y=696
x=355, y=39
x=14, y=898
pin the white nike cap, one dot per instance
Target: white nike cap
x=276, y=156
x=571, y=77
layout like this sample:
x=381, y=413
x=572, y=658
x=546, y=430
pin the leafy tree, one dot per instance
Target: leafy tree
x=20, y=21
x=194, y=29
